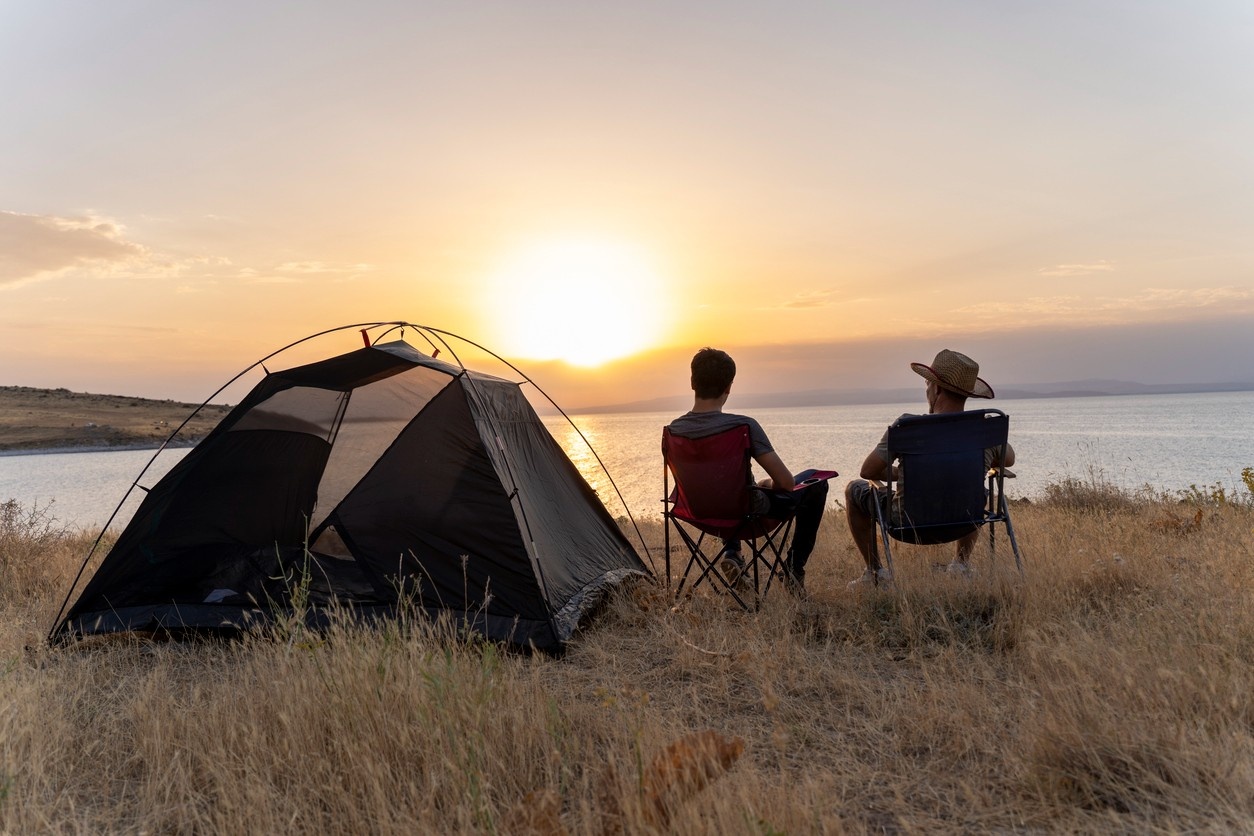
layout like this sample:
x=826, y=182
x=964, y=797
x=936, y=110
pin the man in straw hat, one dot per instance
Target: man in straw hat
x=951, y=379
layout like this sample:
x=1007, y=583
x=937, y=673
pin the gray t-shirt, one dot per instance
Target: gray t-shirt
x=701, y=424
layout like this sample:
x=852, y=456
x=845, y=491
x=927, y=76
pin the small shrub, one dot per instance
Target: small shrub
x=1094, y=494
x=27, y=535
x=1214, y=494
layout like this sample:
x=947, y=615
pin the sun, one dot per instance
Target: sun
x=581, y=300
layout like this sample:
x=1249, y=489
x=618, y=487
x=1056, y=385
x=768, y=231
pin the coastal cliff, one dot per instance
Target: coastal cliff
x=58, y=419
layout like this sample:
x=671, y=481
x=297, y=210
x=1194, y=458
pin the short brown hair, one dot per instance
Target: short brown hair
x=712, y=372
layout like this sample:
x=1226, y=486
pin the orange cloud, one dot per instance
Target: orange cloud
x=1100, y=266
x=812, y=299
x=1075, y=310
x=34, y=247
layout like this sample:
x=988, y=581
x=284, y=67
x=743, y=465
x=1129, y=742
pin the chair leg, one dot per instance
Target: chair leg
x=754, y=572
x=708, y=570
x=771, y=553
x=1014, y=546
x=666, y=545
x=1010, y=532
x=769, y=550
x=882, y=525
x=666, y=519
x=757, y=580
x=694, y=551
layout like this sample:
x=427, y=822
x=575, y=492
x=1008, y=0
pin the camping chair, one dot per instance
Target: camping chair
x=941, y=457
x=711, y=501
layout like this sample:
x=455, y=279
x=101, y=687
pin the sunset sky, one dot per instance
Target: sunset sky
x=1063, y=190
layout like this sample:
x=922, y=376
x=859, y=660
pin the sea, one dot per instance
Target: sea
x=1164, y=442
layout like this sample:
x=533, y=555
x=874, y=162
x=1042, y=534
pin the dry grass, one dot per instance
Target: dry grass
x=1108, y=692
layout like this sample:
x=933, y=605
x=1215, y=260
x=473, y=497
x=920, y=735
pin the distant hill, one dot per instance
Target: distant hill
x=1089, y=388
x=54, y=419
x=846, y=397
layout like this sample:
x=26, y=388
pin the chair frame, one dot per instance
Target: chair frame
x=942, y=454
x=766, y=537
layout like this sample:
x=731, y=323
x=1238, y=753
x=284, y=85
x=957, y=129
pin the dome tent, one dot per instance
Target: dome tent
x=383, y=478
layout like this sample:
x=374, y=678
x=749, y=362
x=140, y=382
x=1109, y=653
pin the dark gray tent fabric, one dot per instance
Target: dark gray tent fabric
x=384, y=479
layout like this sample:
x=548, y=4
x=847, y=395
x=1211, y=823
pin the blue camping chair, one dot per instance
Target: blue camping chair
x=949, y=490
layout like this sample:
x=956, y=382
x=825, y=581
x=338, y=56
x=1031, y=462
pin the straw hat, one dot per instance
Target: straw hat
x=955, y=372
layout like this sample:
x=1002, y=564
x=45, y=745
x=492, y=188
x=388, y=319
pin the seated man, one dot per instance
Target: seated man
x=951, y=379
x=712, y=374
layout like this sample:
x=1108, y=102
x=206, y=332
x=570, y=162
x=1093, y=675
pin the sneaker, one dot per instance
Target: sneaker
x=730, y=565
x=872, y=579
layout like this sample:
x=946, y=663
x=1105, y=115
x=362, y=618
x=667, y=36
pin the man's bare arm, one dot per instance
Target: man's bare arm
x=781, y=477
x=875, y=467
x=1008, y=459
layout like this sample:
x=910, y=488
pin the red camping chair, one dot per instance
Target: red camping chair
x=711, y=502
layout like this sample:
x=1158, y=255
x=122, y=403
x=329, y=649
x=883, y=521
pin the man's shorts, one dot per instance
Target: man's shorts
x=865, y=497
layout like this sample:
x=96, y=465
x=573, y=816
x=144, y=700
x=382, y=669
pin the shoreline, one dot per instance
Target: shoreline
x=94, y=448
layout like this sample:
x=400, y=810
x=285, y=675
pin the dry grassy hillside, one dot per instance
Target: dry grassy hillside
x=1108, y=692
x=34, y=419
